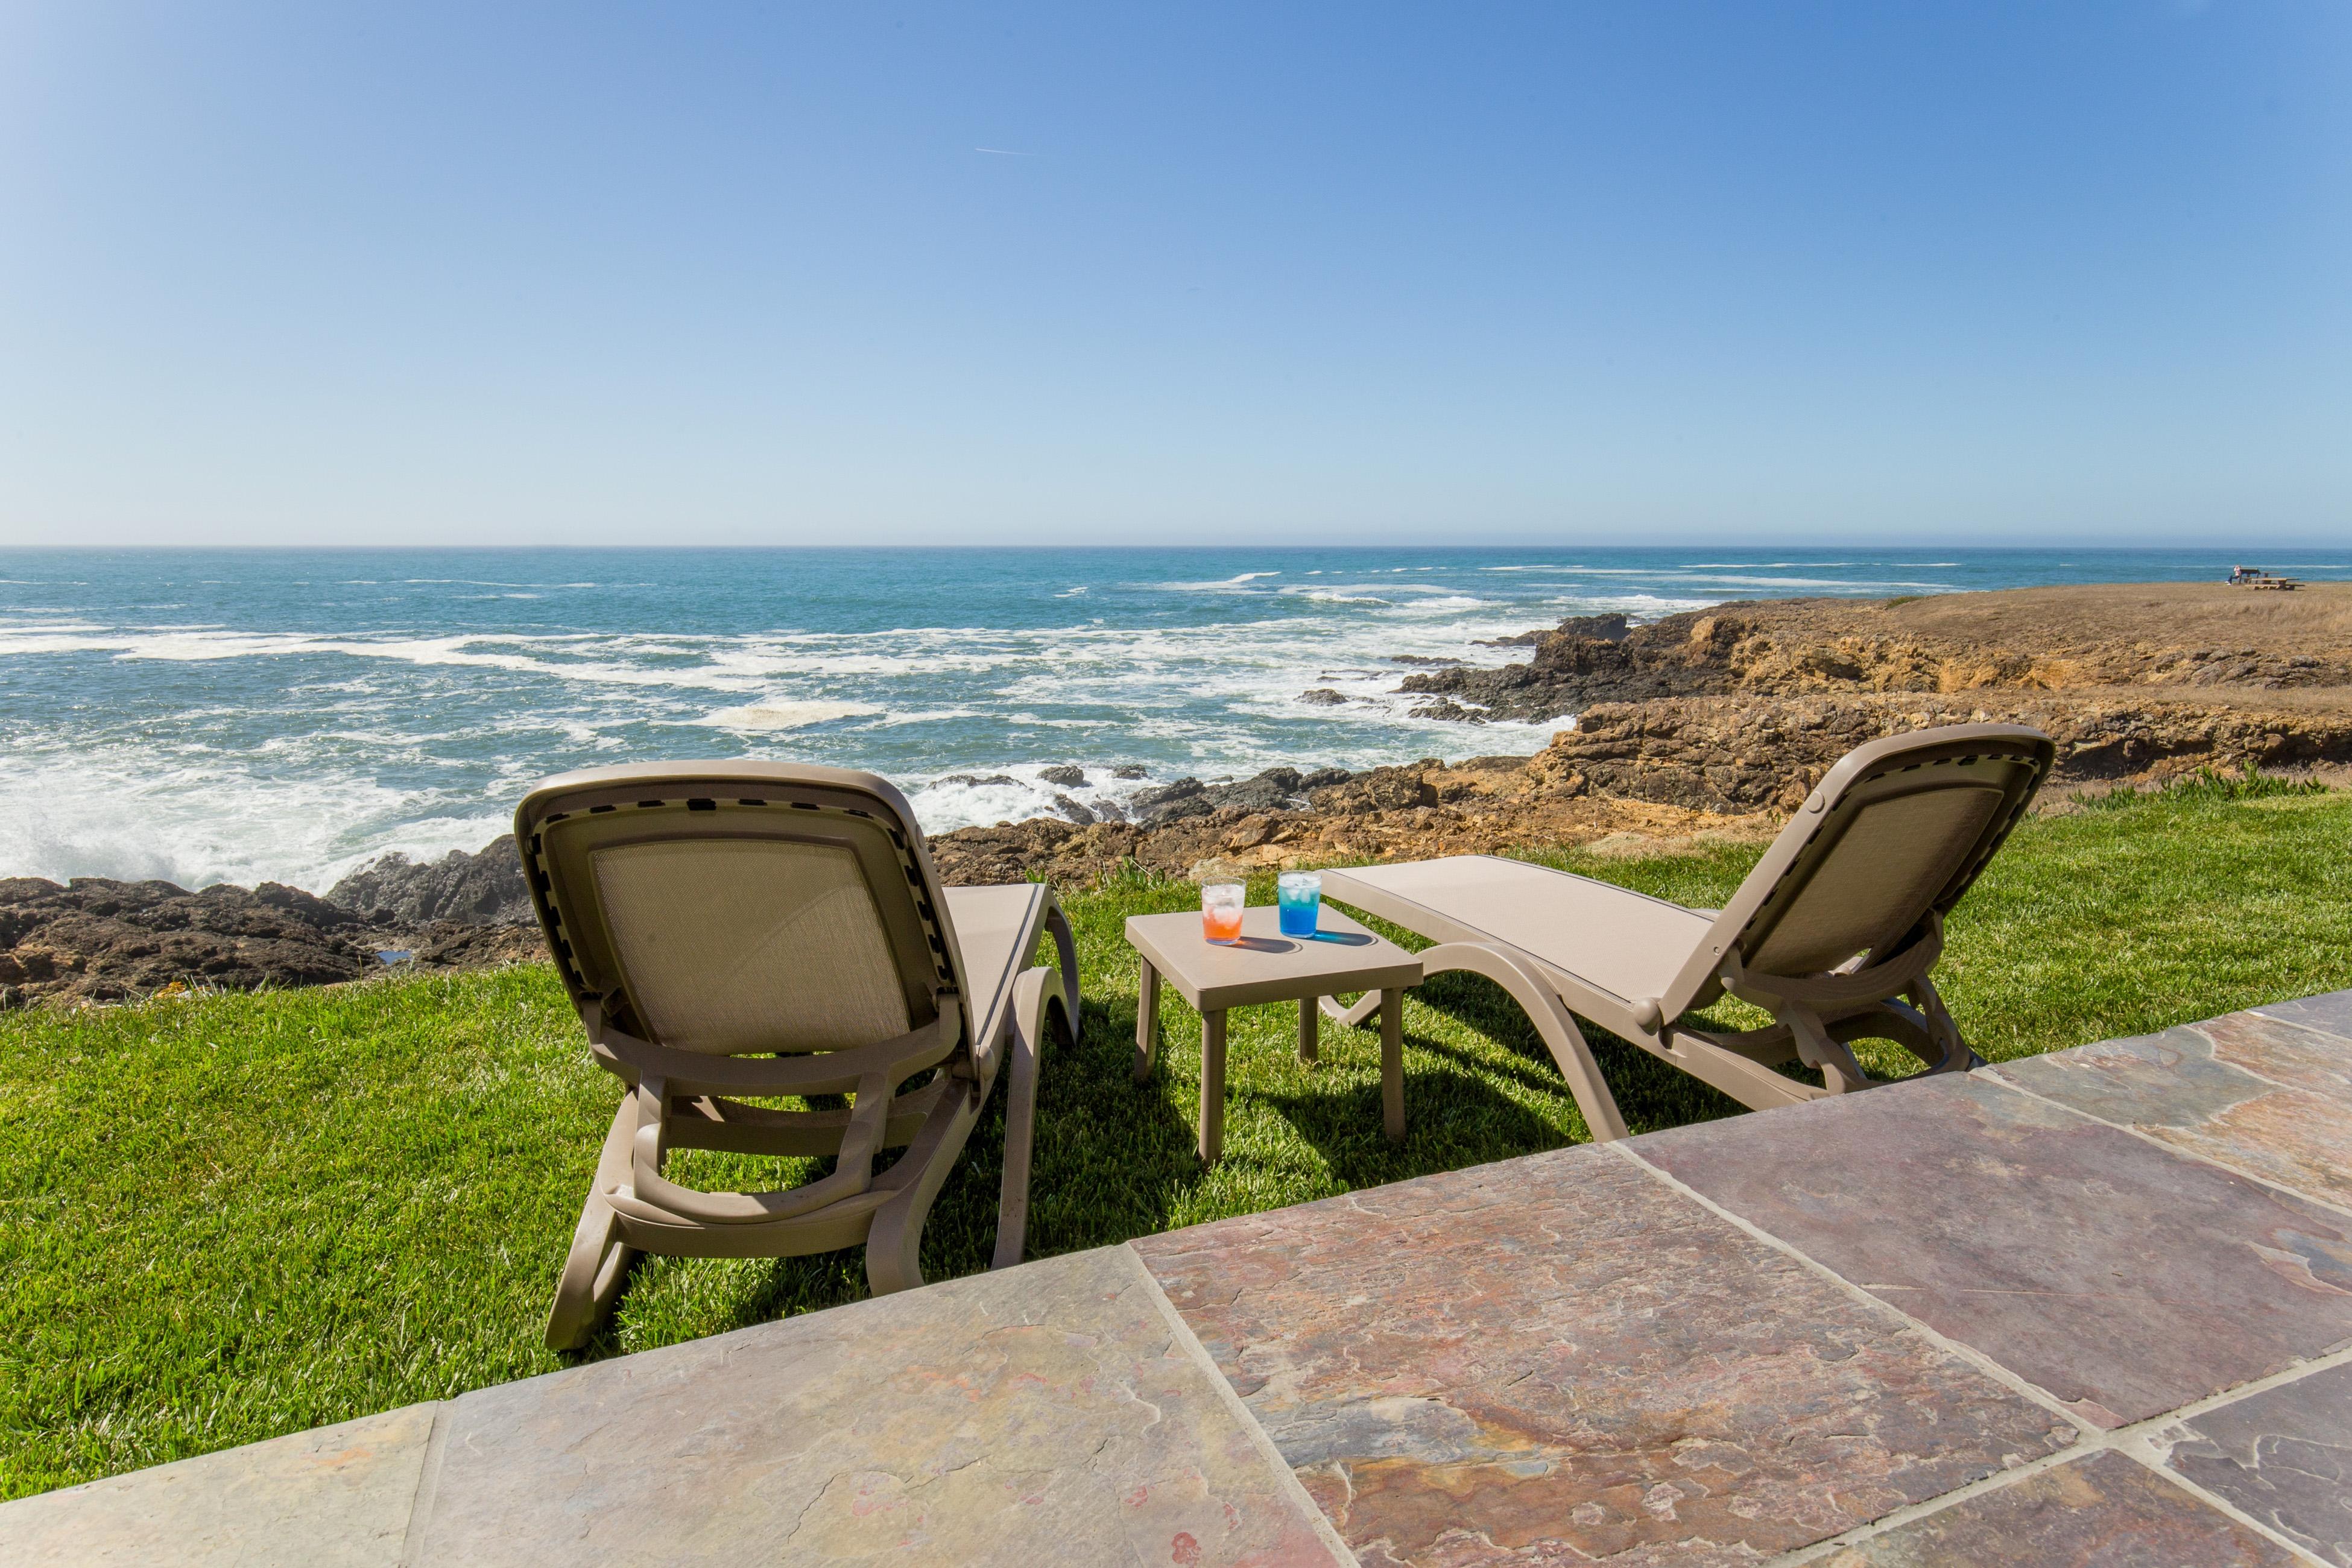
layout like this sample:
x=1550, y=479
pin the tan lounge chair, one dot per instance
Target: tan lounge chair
x=1833, y=933
x=739, y=929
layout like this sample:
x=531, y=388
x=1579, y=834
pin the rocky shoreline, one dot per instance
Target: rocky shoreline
x=1708, y=725
x=98, y=940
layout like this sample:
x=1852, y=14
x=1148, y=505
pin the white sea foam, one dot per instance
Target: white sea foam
x=782, y=714
x=1846, y=583
x=135, y=812
x=936, y=716
x=1240, y=583
x=305, y=751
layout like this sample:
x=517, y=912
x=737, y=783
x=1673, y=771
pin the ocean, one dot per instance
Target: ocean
x=207, y=715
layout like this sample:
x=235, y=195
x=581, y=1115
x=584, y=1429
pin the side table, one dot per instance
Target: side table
x=1266, y=966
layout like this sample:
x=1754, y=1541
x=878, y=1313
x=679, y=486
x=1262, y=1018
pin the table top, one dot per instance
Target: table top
x=1266, y=965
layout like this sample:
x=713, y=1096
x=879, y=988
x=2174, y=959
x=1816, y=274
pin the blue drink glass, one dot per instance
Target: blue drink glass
x=1299, y=897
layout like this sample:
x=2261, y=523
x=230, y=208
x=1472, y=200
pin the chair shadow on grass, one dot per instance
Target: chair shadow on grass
x=1453, y=1118
x=1651, y=1094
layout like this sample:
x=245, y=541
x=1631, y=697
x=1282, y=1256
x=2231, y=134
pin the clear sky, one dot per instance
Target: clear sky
x=1105, y=273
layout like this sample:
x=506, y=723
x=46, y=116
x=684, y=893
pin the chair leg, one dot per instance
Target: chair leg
x=1036, y=997
x=1065, y=951
x=1823, y=1052
x=1958, y=1054
x=1391, y=1062
x=1553, y=1023
x=1350, y=1016
x=599, y=1260
x=894, y=1239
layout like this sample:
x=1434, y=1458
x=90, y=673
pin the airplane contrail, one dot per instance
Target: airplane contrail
x=1004, y=152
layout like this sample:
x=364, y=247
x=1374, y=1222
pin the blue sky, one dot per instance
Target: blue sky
x=1115, y=273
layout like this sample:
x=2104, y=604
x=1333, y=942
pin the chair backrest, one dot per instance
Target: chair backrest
x=1897, y=830
x=731, y=908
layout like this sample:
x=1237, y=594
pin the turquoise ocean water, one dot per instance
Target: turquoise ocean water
x=241, y=715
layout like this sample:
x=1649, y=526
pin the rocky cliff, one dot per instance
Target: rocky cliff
x=1713, y=721
x=2160, y=636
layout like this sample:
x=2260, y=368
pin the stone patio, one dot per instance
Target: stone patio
x=2093, y=1307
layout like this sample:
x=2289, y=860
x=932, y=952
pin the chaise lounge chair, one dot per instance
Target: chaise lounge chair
x=1839, y=924
x=743, y=930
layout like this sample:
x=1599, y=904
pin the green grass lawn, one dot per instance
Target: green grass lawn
x=228, y=1218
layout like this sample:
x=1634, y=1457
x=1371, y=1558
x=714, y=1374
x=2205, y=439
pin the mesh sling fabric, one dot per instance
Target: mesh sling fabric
x=738, y=945
x=1893, y=859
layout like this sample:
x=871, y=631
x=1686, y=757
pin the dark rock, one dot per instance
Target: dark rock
x=1185, y=797
x=1074, y=811
x=1322, y=697
x=1128, y=771
x=1276, y=789
x=1108, y=811
x=1268, y=791
x=1588, y=658
x=1064, y=774
x=1380, y=789
x=1424, y=660
x=1005, y=853
x=310, y=908
x=1610, y=627
x=454, y=944
x=486, y=888
x=97, y=940
x=979, y=779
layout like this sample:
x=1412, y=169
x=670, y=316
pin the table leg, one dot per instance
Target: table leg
x=1212, y=1086
x=1147, y=1016
x=1392, y=1063
x=1310, y=1015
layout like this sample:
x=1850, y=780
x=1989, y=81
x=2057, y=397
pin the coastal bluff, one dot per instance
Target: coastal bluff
x=2136, y=637
x=1705, y=726
x=1715, y=722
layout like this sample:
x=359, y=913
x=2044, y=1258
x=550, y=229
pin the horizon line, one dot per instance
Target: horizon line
x=1750, y=544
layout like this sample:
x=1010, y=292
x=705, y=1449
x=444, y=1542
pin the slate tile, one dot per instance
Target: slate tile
x=333, y=1497
x=2221, y=1089
x=2284, y=1456
x=1040, y=1415
x=2284, y=1051
x=2104, y=1511
x=2330, y=1012
x=2125, y=1279
x=2167, y=1079
x=1560, y=1357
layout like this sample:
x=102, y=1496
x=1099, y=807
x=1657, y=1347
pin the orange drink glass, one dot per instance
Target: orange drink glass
x=1220, y=911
